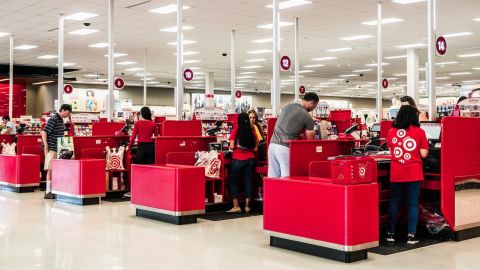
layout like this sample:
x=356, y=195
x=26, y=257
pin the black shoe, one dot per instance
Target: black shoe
x=412, y=240
x=390, y=237
x=49, y=196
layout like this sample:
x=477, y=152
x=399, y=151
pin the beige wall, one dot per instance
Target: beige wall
x=41, y=98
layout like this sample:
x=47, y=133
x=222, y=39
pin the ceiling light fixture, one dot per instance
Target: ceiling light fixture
x=245, y=77
x=45, y=82
x=396, y=57
x=306, y=71
x=126, y=63
x=256, y=60
x=270, y=26
x=47, y=56
x=134, y=69
x=90, y=75
x=172, y=8
x=185, y=42
x=117, y=55
x=249, y=67
x=99, y=45
x=348, y=75
x=173, y=29
x=188, y=53
x=25, y=47
x=409, y=46
x=406, y=2
x=375, y=64
x=81, y=16
x=247, y=72
x=290, y=4
x=83, y=32
x=2, y=34
x=384, y=21
x=469, y=55
x=315, y=65
x=359, y=37
x=68, y=64
x=339, y=49
x=263, y=40
x=461, y=34
x=259, y=51
x=460, y=73
x=362, y=70
x=446, y=63
x=191, y=61
x=326, y=58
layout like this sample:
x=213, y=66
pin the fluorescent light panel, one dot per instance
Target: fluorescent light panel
x=2, y=34
x=45, y=82
x=126, y=63
x=256, y=60
x=247, y=72
x=306, y=71
x=83, y=32
x=191, y=61
x=396, y=57
x=172, y=8
x=348, y=75
x=259, y=51
x=384, y=21
x=81, y=16
x=270, y=26
x=460, y=34
x=173, y=29
x=290, y=4
x=359, y=37
x=188, y=53
x=315, y=65
x=406, y=2
x=117, y=54
x=446, y=63
x=326, y=58
x=25, y=47
x=408, y=46
x=47, y=56
x=134, y=69
x=460, y=73
x=376, y=64
x=99, y=45
x=362, y=70
x=339, y=49
x=185, y=42
x=469, y=55
x=249, y=67
x=263, y=40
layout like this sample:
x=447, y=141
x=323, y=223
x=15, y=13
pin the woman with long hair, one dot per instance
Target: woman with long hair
x=253, y=116
x=243, y=142
x=456, y=109
x=145, y=129
x=408, y=100
x=408, y=145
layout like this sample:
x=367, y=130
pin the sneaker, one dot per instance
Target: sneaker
x=412, y=240
x=235, y=210
x=390, y=237
x=247, y=209
x=49, y=196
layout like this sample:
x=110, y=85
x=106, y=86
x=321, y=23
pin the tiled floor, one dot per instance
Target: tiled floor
x=38, y=234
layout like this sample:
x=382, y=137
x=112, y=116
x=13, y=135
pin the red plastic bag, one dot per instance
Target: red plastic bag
x=353, y=170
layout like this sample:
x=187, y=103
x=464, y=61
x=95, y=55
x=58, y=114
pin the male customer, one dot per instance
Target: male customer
x=9, y=126
x=54, y=129
x=293, y=120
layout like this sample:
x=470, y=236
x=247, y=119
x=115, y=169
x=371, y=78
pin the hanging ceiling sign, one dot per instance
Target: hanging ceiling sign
x=188, y=74
x=68, y=88
x=302, y=90
x=441, y=45
x=238, y=94
x=119, y=83
x=385, y=83
x=285, y=63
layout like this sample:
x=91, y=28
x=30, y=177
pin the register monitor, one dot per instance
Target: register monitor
x=375, y=128
x=432, y=130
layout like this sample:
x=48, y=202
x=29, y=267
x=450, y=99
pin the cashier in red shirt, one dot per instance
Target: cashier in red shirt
x=408, y=145
x=146, y=130
x=243, y=142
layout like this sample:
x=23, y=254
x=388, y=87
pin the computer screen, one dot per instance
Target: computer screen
x=375, y=128
x=432, y=130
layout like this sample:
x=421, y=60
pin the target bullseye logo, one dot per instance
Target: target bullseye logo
x=409, y=144
x=398, y=152
x=401, y=133
x=115, y=162
x=362, y=171
x=394, y=140
x=407, y=156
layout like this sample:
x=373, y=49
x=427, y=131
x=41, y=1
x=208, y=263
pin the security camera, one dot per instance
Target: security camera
x=224, y=54
x=123, y=74
x=361, y=74
x=347, y=81
x=169, y=82
x=87, y=24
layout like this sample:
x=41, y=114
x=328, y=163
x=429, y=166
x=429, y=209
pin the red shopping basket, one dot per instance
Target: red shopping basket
x=352, y=170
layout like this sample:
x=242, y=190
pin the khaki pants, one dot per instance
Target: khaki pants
x=49, y=157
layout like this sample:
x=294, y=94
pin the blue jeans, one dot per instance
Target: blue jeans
x=236, y=169
x=278, y=160
x=413, y=192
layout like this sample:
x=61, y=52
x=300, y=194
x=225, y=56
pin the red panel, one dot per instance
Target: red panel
x=182, y=128
x=30, y=144
x=385, y=126
x=304, y=152
x=160, y=119
x=344, y=215
x=186, y=158
x=174, y=188
x=319, y=169
x=19, y=98
x=460, y=158
x=79, y=177
x=28, y=169
x=232, y=117
x=165, y=145
x=340, y=115
x=8, y=173
x=106, y=128
x=96, y=143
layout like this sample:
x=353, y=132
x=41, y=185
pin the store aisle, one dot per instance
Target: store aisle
x=38, y=234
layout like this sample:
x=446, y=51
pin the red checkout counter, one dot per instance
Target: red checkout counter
x=21, y=172
x=347, y=218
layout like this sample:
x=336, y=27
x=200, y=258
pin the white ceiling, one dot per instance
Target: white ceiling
x=322, y=24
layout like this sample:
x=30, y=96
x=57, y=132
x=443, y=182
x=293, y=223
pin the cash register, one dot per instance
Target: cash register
x=433, y=131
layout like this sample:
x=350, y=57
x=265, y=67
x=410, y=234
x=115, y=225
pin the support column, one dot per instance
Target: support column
x=432, y=93
x=276, y=60
x=413, y=74
x=379, y=63
x=10, y=82
x=209, y=83
x=232, y=73
x=61, y=38
x=111, y=74
x=145, y=77
x=297, y=63
x=179, y=88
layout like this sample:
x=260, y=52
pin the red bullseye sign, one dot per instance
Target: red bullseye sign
x=238, y=94
x=188, y=74
x=301, y=90
x=385, y=83
x=119, y=83
x=441, y=45
x=285, y=63
x=68, y=88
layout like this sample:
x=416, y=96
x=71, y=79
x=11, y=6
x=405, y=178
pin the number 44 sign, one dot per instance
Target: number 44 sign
x=441, y=46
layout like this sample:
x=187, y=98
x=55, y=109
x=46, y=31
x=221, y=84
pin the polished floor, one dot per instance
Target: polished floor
x=38, y=234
